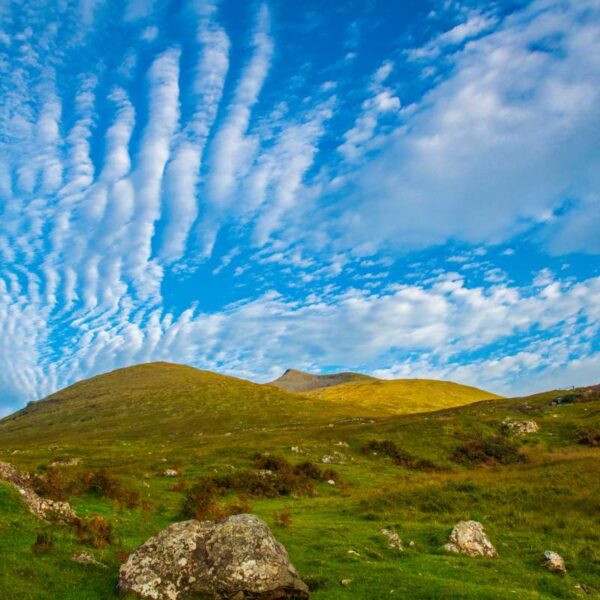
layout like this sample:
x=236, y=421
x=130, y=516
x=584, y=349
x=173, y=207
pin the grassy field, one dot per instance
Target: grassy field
x=532, y=494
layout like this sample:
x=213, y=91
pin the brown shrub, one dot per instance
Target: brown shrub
x=43, y=543
x=179, y=486
x=590, y=437
x=489, y=451
x=282, y=518
x=200, y=499
x=398, y=455
x=96, y=532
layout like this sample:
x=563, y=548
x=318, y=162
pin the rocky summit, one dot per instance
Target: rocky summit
x=237, y=557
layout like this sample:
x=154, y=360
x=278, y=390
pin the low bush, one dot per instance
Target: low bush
x=491, y=451
x=200, y=500
x=60, y=484
x=282, y=518
x=398, y=455
x=273, y=477
x=96, y=532
x=43, y=542
x=590, y=436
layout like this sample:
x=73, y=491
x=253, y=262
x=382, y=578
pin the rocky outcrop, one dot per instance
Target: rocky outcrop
x=554, y=562
x=42, y=508
x=520, y=427
x=237, y=558
x=469, y=538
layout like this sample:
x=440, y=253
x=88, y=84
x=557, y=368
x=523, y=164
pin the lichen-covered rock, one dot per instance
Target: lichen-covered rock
x=554, y=562
x=237, y=557
x=520, y=427
x=469, y=538
x=42, y=508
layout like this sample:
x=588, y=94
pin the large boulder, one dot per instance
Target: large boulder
x=469, y=538
x=237, y=558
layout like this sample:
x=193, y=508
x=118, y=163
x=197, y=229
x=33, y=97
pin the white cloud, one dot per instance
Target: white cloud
x=499, y=144
x=230, y=147
x=181, y=180
x=362, y=136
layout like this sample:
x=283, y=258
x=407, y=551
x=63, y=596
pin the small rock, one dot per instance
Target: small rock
x=554, y=562
x=394, y=541
x=520, y=427
x=170, y=473
x=337, y=458
x=85, y=558
x=331, y=482
x=469, y=538
x=345, y=582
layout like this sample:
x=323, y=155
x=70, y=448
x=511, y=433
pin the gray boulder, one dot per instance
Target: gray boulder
x=237, y=558
x=469, y=538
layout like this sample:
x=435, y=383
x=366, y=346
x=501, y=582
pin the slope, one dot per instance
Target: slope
x=155, y=400
x=160, y=400
x=372, y=397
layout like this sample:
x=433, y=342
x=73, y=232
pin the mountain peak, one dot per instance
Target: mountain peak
x=295, y=380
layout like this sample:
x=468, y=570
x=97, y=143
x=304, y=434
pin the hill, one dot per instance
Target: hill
x=374, y=397
x=155, y=400
x=294, y=380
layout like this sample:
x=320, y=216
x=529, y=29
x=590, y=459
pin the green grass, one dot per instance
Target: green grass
x=551, y=501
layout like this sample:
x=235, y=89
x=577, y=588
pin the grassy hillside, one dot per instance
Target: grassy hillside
x=417, y=473
x=294, y=380
x=163, y=400
x=402, y=396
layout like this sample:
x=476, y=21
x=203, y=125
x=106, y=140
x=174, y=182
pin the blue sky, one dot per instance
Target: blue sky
x=409, y=189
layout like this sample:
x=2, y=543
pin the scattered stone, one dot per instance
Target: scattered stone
x=237, y=557
x=42, y=508
x=395, y=543
x=170, y=473
x=411, y=544
x=554, y=562
x=331, y=481
x=85, y=558
x=342, y=444
x=520, y=427
x=469, y=538
x=337, y=458
x=71, y=462
x=345, y=582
